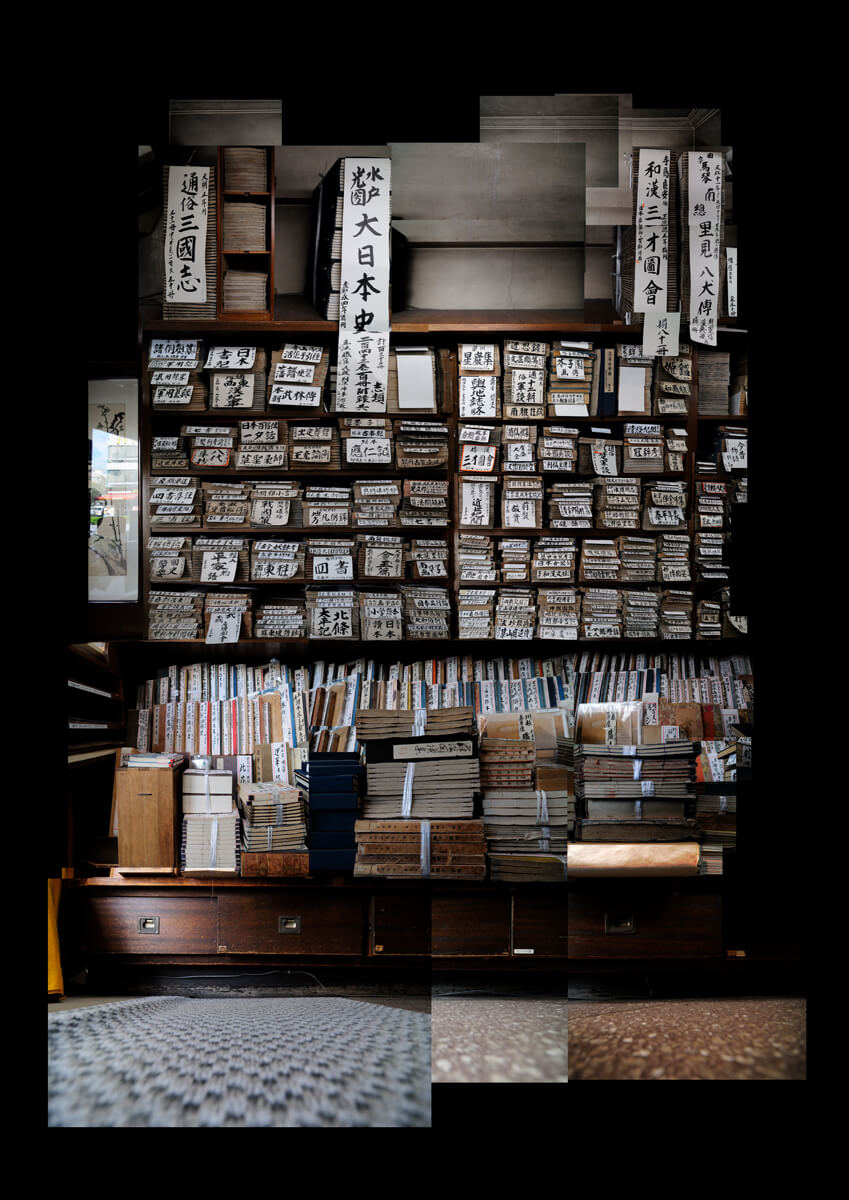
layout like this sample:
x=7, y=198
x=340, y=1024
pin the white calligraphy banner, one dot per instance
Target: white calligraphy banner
x=704, y=217
x=364, y=287
x=651, y=254
x=185, y=235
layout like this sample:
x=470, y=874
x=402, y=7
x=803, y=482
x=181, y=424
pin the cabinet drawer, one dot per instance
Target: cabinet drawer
x=619, y=923
x=470, y=924
x=148, y=924
x=540, y=923
x=400, y=923
x=291, y=921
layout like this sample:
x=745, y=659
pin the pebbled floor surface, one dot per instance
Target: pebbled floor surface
x=760, y=1038
x=483, y=1040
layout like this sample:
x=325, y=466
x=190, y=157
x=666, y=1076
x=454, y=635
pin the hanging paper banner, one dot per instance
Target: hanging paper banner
x=363, y=360
x=731, y=259
x=185, y=235
x=704, y=217
x=651, y=256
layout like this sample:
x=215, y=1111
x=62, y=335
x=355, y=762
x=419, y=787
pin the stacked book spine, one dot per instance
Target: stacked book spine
x=332, y=785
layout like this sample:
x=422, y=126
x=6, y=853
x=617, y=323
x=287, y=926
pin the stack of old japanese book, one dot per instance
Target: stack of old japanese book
x=210, y=843
x=429, y=777
x=281, y=619
x=476, y=612
x=421, y=849
x=427, y=612
x=174, y=616
x=332, y=786
x=422, y=776
x=528, y=797
x=427, y=558
x=376, y=503
x=273, y=821
x=244, y=291
x=631, y=785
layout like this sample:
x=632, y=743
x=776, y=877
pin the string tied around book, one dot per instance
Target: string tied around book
x=542, y=808
x=723, y=804
x=638, y=809
x=279, y=820
x=647, y=786
x=544, y=837
x=206, y=792
x=419, y=722
x=407, y=799
x=638, y=767
x=213, y=842
x=424, y=854
x=269, y=831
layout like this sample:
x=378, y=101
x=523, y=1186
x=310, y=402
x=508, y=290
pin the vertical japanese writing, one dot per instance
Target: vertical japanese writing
x=185, y=234
x=704, y=220
x=363, y=359
x=651, y=255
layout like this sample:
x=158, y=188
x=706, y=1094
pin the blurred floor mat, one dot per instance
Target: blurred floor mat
x=176, y=1062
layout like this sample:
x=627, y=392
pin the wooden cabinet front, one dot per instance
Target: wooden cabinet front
x=469, y=924
x=292, y=921
x=644, y=922
x=400, y=923
x=540, y=923
x=148, y=924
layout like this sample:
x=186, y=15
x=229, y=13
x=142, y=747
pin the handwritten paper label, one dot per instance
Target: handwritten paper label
x=362, y=373
x=604, y=460
x=475, y=433
x=295, y=395
x=186, y=213
x=270, y=512
x=298, y=353
x=478, y=395
x=170, y=377
x=332, y=567
x=331, y=622
x=167, y=566
x=660, y=333
x=230, y=358
x=224, y=626
x=475, y=498
x=210, y=457
x=295, y=372
x=172, y=395
x=569, y=368
x=219, y=567
x=374, y=451
x=477, y=358
x=170, y=348
x=478, y=458
x=731, y=264
x=261, y=458
x=234, y=390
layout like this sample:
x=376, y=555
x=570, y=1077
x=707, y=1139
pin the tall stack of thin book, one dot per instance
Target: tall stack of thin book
x=423, y=777
x=526, y=799
x=332, y=785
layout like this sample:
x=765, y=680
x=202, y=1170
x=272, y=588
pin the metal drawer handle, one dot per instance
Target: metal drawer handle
x=148, y=924
x=288, y=924
x=620, y=923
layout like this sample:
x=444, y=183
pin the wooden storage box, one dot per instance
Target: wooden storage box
x=148, y=807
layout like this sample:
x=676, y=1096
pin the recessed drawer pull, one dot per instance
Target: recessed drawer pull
x=620, y=923
x=288, y=924
x=148, y=924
